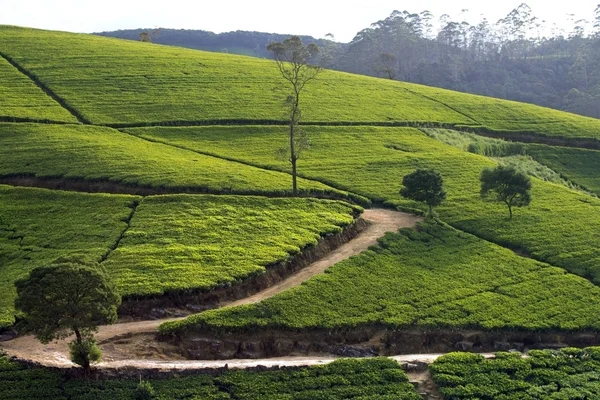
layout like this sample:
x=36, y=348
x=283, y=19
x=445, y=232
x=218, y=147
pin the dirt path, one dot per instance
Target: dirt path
x=56, y=354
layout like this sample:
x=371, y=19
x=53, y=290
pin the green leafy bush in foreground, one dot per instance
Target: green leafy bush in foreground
x=366, y=379
x=38, y=226
x=544, y=374
x=435, y=278
x=182, y=242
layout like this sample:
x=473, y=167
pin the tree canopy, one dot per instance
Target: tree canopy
x=509, y=186
x=61, y=299
x=424, y=185
x=293, y=59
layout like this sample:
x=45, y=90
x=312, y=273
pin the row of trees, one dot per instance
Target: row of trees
x=518, y=57
x=502, y=184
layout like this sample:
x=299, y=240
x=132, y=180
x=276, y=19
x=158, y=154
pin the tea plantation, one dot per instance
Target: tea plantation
x=544, y=374
x=185, y=242
x=96, y=154
x=38, y=226
x=371, y=161
x=435, y=278
x=185, y=144
x=172, y=243
x=21, y=99
x=348, y=379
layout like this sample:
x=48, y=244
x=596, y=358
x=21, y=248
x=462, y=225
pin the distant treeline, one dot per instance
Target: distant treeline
x=514, y=58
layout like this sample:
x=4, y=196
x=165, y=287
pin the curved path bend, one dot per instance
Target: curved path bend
x=56, y=354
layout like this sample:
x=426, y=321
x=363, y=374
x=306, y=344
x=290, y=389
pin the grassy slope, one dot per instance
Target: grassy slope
x=578, y=165
x=186, y=242
x=504, y=115
x=103, y=154
x=21, y=98
x=162, y=83
x=545, y=374
x=38, y=226
x=371, y=161
x=349, y=379
x=568, y=166
x=436, y=278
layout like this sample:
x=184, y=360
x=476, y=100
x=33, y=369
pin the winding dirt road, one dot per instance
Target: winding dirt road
x=56, y=354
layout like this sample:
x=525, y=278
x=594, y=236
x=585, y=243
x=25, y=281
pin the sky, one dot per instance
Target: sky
x=317, y=18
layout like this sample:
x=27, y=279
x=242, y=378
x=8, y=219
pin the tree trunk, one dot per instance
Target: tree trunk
x=293, y=159
x=87, y=368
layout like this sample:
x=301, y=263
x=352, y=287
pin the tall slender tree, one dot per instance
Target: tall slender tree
x=293, y=60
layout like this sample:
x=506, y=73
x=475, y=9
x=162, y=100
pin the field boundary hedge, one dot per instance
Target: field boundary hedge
x=105, y=186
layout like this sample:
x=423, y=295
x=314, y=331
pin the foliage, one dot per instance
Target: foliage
x=22, y=99
x=424, y=185
x=577, y=165
x=62, y=299
x=178, y=243
x=434, y=278
x=144, y=391
x=509, y=186
x=41, y=226
x=568, y=373
x=371, y=161
x=540, y=161
x=377, y=378
x=350, y=379
x=85, y=351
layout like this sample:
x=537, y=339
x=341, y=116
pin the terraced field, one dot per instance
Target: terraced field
x=95, y=154
x=348, y=379
x=95, y=114
x=172, y=243
x=184, y=242
x=21, y=99
x=38, y=226
x=436, y=278
x=565, y=374
x=371, y=161
x=169, y=84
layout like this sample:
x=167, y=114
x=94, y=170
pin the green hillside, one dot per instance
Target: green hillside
x=436, y=278
x=171, y=125
x=162, y=84
x=371, y=161
x=21, y=99
x=186, y=242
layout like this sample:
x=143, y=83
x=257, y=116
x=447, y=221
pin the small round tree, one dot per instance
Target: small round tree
x=510, y=186
x=424, y=185
x=64, y=299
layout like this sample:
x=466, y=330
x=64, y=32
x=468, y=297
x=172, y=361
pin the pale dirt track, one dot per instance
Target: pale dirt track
x=56, y=354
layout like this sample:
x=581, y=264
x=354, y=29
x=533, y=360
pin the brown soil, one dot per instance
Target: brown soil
x=133, y=344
